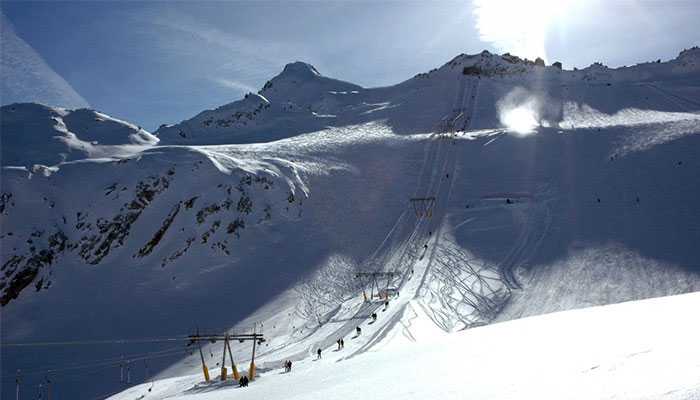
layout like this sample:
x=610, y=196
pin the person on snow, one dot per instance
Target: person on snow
x=386, y=305
x=374, y=317
x=318, y=354
x=358, y=330
x=342, y=343
x=338, y=343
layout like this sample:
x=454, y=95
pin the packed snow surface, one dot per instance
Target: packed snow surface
x=636, y=350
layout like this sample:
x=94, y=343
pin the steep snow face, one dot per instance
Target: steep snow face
x=163, y=191
x=298, y=99
x=37, y=134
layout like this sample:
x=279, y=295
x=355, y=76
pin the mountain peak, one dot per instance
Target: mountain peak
x=300, y=69
x=691, y=53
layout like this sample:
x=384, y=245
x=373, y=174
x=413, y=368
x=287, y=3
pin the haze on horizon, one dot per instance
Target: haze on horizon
x=154, y=62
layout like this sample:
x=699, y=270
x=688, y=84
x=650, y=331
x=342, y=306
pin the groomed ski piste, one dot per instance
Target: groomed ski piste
x=554, y=190
x=604, y=352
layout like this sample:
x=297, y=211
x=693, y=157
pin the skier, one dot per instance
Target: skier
x=374, y=317
x=338, y=343
x=318, y=354
x=289, y=366
x=342, y=343
x=358, y=330
x=386, y=305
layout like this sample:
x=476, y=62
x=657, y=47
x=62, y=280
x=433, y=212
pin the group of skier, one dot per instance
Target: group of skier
x=340, y=342
x=243, y=382
x=288, y=366
x=341, y=345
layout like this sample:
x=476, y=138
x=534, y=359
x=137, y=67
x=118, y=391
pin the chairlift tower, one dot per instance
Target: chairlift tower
x=423, y=206
x=374, y=278
x=256, y=338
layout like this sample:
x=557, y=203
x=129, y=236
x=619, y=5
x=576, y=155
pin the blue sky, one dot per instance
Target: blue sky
x=161, y=62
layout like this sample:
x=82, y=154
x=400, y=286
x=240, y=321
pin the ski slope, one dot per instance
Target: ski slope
x=554, y=190
x=608, y=352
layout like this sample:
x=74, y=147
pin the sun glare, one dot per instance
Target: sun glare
x=520, y=120
x=519, y=27
x=519, y=111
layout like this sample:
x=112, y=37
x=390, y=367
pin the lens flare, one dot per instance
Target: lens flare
x=522, y=120
x=519, y=111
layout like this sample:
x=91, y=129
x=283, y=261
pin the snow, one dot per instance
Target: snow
x=37, y=134
x=262, y=210
x=636, y=350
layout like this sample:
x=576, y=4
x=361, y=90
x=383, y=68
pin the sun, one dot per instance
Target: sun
x=517, y=26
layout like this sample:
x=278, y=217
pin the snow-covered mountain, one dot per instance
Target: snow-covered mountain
x=36, y=134
x=553, y=190
x=301, y=100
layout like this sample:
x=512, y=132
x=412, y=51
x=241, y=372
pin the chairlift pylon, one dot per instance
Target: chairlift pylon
x=423, y=206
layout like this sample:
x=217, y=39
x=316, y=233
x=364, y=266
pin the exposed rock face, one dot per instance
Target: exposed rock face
x=114, y=220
